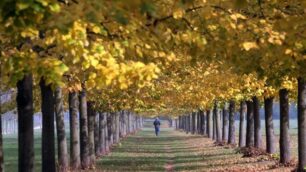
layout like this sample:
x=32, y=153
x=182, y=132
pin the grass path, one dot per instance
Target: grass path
x=177, y=151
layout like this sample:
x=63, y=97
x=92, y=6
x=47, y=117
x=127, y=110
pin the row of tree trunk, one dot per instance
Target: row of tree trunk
x=92, y=132
x=221, y=128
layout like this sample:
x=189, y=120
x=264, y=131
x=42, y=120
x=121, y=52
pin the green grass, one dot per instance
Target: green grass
x=11, y=153
x=146, y=152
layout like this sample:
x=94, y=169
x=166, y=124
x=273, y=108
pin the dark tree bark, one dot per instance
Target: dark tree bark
x=117, y=127
x=243, y=109
x=121, y=118
x=231, y=130
x=250, y=124
x=202, y=118
x=218, y=124
x=187, y=124
x=109, y=129
x=124, y=123
x=179, y=123
x=193, y=122
x=198, y=123
x=204, y=123
x=84, y=147
x=1, y=136
x=75, y=161
x=209, y=128
x=113, y=128
x=302, y=124
x=257, y=123
x=183, y=123
x=97, y=127
x=105, y=121
x=225, y=124
x=102, y=123
x=1, y=144
x=60, y=128
x=128, y=124
x=48, y=135
x=214, y=125
x=284, y=126
x=270, y=144
x=91, y=133
x=25, y=124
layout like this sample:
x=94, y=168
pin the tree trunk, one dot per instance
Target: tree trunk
x=25, y=124
x=214, y=125
x=250, y=125
x=1, y=143
x=84, y=147
x=109, y=129
x=200, y=124
x=128, y=128
x=1, y=136
x=209, y=125
x=114, y=126
x=202, y=118
x=187, y=123
x=91, y=133
x=48, y=145
x=117, y=127
x=102, y=123
x=75, y=161
x=257, y=123
x=121, y=124
x=193, y=117
x=105, y=121
x=218, y=124
x=205, y=123
x=302, y=123
x=225, y=124
x=97, y=146
x=60, y=128
x=243, y=109
x=270, y=144
x=231, y=130
x=124, y=123
x=284, y=126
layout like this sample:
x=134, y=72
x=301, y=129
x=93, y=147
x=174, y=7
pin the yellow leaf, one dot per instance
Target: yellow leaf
x=250, y=45
x=178, y=14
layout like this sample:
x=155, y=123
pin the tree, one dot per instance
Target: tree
x=302, y=123
x=270, y=142
x=91, y=136
x=284, y=141
x=257, y=125
x=25, y=124
x=60, y=128
x=225, y=132
x=209, y=124
x=231, y=131
x=250, y=125
x=217, y=124
x=75, y=161
x=84, y=145
x=243, y=110
x=48, y=135
x=102, y=136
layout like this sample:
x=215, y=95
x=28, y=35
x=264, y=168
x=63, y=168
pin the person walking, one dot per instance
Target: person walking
x=156, y=124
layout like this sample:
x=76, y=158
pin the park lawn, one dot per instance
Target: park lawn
x=11, y=152
x=171, y=151
x=177, y=151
